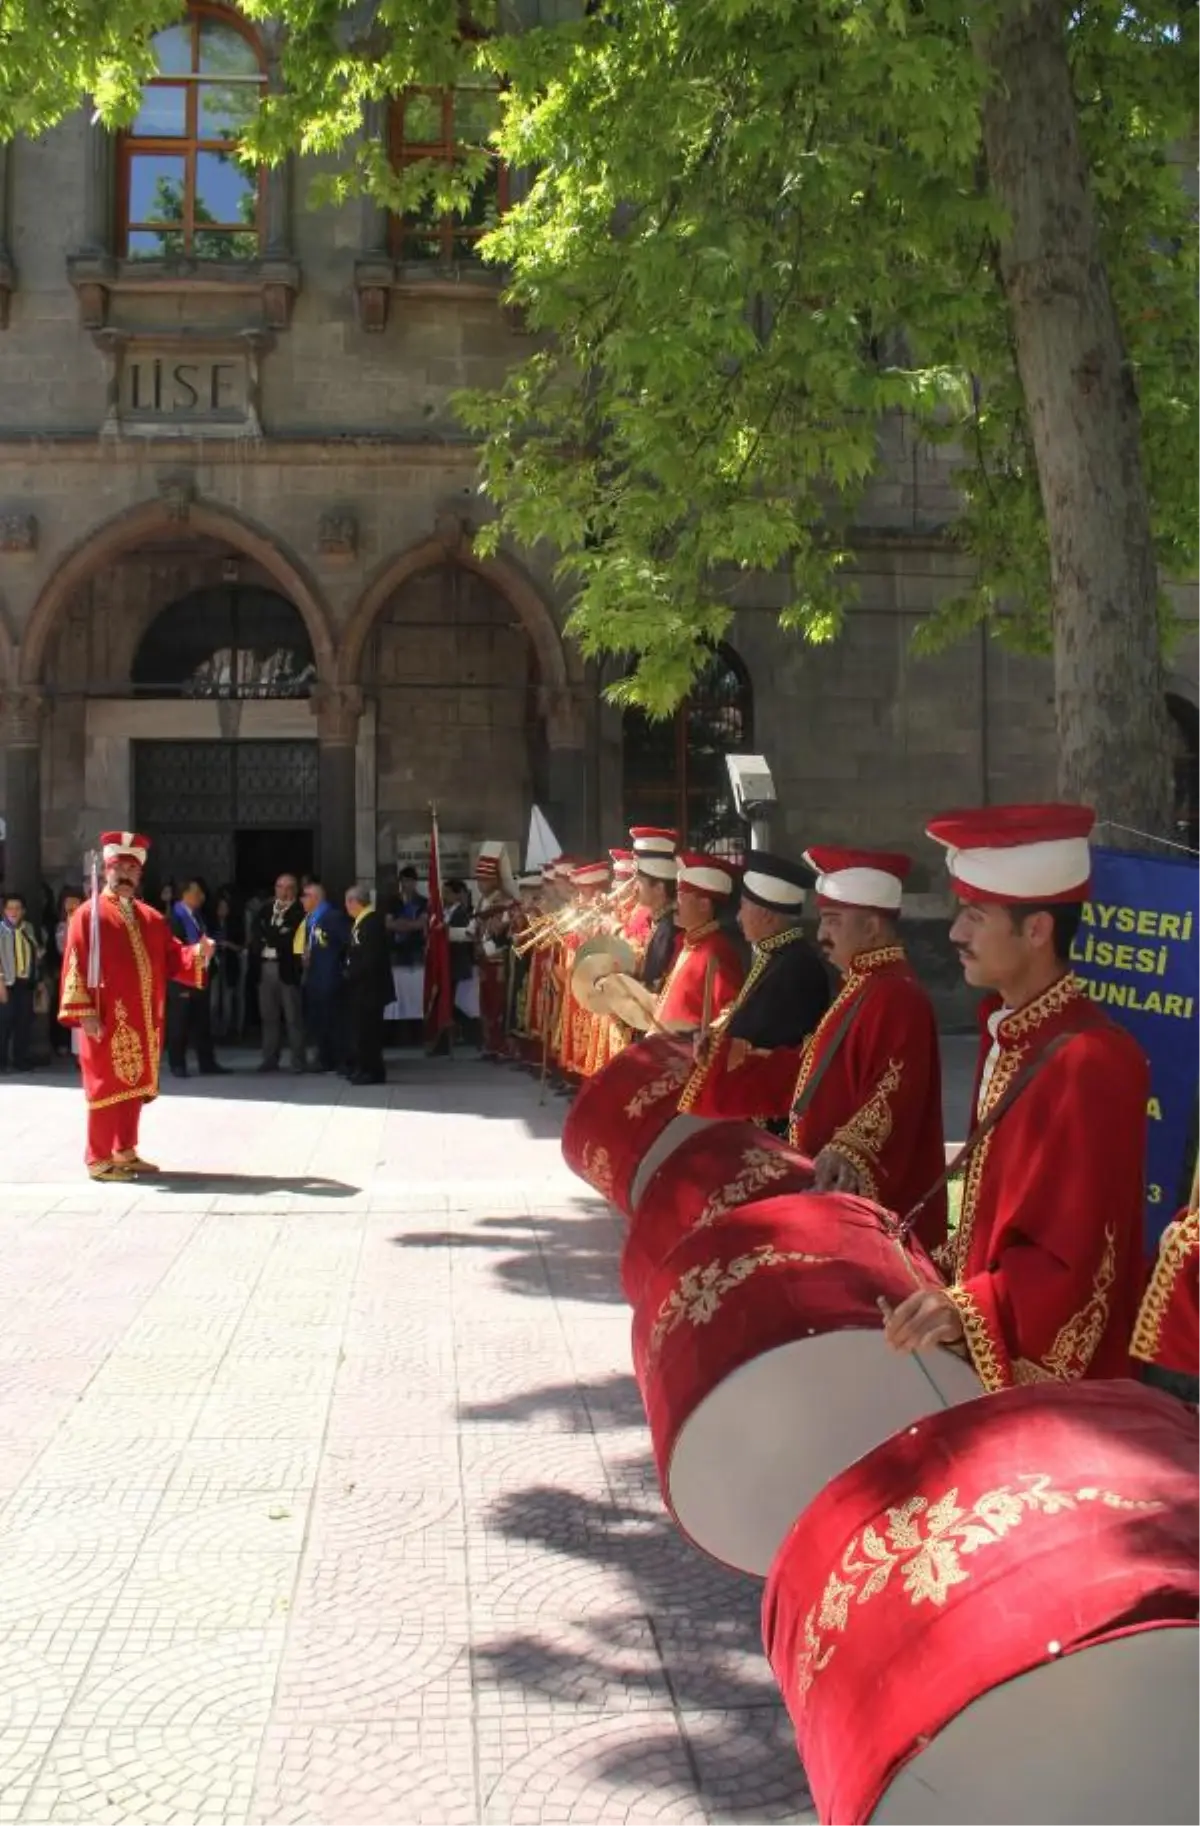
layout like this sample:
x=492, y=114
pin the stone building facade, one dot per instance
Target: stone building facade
x=240, y=600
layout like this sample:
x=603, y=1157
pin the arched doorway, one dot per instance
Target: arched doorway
x=454, y=675
x=673, y=768
x=231, y=806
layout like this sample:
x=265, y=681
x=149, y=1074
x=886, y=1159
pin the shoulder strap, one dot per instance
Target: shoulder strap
x=846, y=1021
x=1019, y=1085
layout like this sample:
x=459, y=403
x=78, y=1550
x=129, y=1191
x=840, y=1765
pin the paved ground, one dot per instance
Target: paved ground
x=325, y=1492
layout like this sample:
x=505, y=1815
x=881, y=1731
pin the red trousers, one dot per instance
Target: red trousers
x=113, y=1130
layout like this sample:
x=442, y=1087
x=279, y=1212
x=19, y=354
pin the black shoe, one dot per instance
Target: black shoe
x=214, y=1070
x=179, y=1071
x=360, y=1078
x=269, y=1065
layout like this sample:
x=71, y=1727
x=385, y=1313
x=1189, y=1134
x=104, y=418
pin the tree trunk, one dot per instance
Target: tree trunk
x=1082, y=407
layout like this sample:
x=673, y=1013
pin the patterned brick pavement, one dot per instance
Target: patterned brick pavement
x=325, y=1491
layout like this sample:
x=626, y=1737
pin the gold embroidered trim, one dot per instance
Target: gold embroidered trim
x=125, y=1049
x=990, y=1365
x=76, y=997
x=764, y=951
x=1180, y=1240
x=760, y=1168
x=1075, y=1345
x=669, y=1079
x=146, y=986
x=1043, y=1008
x=700, y=1292
x=868, y=1131
x=597, y=1169
x=1006, y=1069
x=864, y=962
x=924, y=1544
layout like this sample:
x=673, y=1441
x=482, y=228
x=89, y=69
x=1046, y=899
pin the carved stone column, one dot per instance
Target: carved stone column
x=338, y=710
x=8, y=277
x=21, y=713
x=98, y=199
x=569, y=772
x=277, y=203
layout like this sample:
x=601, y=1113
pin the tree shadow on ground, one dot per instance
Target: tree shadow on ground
x=637, y=1618
x=569, y=1257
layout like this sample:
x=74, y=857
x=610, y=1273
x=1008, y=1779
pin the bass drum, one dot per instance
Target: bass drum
x=618, y=1127
x=992, y=1617
x=758, y=1347
x=708, y=1175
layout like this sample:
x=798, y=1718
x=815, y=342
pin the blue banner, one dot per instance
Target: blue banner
x=1138, y=951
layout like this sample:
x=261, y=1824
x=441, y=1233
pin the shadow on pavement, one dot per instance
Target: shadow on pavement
x=549, y=1257
x=252, y=1185
x=658, y=1624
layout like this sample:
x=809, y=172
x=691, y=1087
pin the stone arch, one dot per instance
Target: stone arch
x=129, y=529
x=500, y=572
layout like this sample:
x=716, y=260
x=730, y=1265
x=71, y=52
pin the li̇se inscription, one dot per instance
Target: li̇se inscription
x=173, y=390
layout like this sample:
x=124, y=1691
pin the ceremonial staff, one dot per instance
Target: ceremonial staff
x=93, y=956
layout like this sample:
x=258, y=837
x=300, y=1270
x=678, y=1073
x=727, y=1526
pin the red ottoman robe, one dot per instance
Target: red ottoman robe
x=1046, y=1263
x=138, y=954
x=1167, y=1332
x=878, y=1101
x=682, y=999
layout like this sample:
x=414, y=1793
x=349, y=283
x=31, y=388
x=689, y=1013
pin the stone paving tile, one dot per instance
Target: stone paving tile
x=418, y=1769
x=352, y=1492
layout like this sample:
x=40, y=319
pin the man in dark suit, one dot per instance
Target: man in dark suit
x=368, y=987
x=189, y=1005
x=325, y=939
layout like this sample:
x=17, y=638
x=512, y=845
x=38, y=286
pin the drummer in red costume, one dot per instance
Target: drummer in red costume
x=121, y=1015
x=708, y=971
x=1045, y=1266
x=1166, y=1337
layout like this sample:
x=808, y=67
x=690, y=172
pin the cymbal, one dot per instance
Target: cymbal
x=612, y=946
x=625, y=999
x=586, y=977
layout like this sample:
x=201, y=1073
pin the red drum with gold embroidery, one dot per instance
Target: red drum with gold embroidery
x=759, y=1350
x=992, y=1616
x=724, y=1166
x=615, y=1130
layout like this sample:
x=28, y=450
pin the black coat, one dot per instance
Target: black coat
x=281, y=937
x=368, y=962
x=787, y=999
x=660, y=952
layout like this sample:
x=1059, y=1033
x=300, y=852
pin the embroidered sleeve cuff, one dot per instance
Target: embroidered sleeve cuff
x=867, y=1184
x=985, y=1341
x=71, y=1012
x=1180, y=1241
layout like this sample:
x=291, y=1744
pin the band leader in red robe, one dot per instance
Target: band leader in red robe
x=1045, y=1266
x=709, y=968
x=121, y=1019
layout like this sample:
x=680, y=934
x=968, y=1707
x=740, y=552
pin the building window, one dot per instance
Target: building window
x=231, y=642
x=441, y=125
x=674, y=769
x=183, y=192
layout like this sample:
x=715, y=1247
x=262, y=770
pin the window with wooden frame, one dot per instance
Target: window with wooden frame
x=441, y=125
x=673, y=770
x=183, y=193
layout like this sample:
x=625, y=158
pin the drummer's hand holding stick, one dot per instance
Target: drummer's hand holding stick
x=832, y=1172
x=925, y=1320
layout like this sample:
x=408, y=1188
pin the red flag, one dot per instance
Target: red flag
x=439, y=989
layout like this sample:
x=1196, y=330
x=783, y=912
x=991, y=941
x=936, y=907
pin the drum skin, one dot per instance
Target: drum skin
x=1034, y=1553
x=620, y=1113
x=724, y=1166
x=759, y=1351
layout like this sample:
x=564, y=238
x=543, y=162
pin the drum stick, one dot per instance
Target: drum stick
x=706, y=1005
